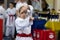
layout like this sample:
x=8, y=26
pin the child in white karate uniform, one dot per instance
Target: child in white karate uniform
x=23, y=25
x=10, y=23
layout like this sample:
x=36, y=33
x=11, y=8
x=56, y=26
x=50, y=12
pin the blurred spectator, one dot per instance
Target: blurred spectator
x=10, y=15
x=36, y=4
x=2, y=12
x=2, y=9
x=53, y=12
x=44, y=5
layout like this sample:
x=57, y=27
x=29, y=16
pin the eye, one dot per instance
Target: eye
x=24, y=12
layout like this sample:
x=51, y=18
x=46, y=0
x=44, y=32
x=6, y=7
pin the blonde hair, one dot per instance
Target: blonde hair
x=20, y=8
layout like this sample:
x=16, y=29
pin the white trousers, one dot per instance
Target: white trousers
x=10, y=31
x=23, y=38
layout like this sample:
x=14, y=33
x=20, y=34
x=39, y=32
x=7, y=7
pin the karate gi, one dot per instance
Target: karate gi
x=23, y=26
x=30, y=12
x=2, y=11
x=10, y=24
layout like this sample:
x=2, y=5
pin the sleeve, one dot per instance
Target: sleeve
x=31, y=23
x=2, y=11
x=17, y=6
x=31, y=9
x=6, y=14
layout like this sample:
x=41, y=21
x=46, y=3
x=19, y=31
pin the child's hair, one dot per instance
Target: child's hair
x=21, y=8
x=12, y=3
x=23, y=11
x=1, y=2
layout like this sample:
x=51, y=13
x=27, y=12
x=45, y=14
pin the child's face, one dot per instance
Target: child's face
x=11, y=5
x=23, y=12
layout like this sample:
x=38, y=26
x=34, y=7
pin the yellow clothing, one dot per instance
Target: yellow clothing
x=53, y=12
x=54, y=25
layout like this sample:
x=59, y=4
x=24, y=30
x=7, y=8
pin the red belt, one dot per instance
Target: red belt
x=10, y=19
x=24, y=35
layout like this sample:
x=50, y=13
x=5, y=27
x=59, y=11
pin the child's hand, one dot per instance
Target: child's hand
x=31, y=18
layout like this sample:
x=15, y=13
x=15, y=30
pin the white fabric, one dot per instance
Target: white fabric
x=56, y=20
x=23, y=38
x=19, y=4
x=2, y=11
x=10, y=31
x=23, y=25
x=10, y=23
x=31, y=10
x=9, y=19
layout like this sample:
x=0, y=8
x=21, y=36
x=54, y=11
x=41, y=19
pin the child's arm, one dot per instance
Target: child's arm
x=31, y=18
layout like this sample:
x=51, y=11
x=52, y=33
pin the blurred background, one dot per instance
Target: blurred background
x=52, y=3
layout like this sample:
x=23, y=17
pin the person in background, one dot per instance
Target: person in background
x=53, y=12
x=23, y=25
x=45, y=9
x=10, y=23
x=2, y=9
x=44, y=5
x=2, y=12
x=36, y=4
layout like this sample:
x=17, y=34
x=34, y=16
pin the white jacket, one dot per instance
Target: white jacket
x=2, y=11
x=10, y=19
x=23, y=25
